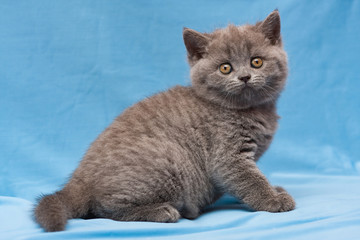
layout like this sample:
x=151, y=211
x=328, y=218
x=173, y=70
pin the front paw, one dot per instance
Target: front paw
x=282, y=202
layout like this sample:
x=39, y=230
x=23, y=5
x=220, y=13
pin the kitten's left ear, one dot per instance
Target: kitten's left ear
x=195, y=43
x=270, y=27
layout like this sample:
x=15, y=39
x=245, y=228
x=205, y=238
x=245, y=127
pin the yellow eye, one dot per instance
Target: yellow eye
x=225, y=68
x=256, y=62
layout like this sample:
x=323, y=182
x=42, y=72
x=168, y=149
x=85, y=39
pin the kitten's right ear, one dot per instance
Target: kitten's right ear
x=195, y=43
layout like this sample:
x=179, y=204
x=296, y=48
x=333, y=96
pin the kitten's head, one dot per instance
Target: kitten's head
x=238, y=66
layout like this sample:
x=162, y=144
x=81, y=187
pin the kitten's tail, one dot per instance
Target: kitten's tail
x=53, y=211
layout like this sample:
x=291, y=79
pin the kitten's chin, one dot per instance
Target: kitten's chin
x=243, y=98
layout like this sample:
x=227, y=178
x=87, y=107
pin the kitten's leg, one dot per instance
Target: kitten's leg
x=242, y=178
x=161, y=212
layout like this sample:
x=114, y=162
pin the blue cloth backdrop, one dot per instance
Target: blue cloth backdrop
x=68, y=68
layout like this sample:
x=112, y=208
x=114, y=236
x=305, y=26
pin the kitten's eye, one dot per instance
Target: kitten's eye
x=256, y=62
x=225, y=68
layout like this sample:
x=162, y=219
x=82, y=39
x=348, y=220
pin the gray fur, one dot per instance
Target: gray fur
x=174, y=153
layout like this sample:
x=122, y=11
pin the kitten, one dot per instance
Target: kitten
x=172, y=154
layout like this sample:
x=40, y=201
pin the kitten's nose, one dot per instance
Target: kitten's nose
x=245, y=79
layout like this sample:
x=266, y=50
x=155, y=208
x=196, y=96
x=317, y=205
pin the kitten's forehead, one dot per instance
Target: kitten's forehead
x=236, y=41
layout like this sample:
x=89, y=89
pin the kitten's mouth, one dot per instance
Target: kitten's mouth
x=252, y=87
x=240, y=90
x=247, y=88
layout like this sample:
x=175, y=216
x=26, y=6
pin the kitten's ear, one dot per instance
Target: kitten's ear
x=270, y=27
x=195, y=43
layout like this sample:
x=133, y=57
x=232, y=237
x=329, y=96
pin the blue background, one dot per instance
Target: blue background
x=68, y=68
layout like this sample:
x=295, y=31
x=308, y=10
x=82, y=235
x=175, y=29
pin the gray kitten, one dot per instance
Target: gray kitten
x=178, y=151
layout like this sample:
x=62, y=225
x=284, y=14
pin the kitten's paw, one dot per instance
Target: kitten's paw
x=166, y=213
x=283, y=202
x=190, y=212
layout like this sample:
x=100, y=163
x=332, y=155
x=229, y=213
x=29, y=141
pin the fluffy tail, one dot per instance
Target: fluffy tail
x=53, y=211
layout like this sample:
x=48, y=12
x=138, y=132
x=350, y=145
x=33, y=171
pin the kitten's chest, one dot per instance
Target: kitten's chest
x=242, y=129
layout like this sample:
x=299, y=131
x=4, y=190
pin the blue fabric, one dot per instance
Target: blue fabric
x=67, y=68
